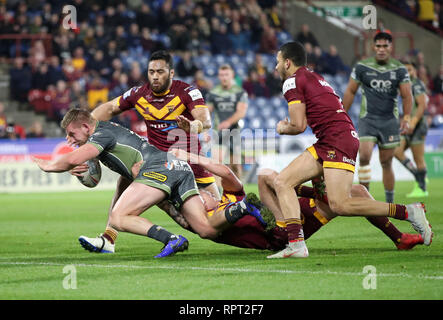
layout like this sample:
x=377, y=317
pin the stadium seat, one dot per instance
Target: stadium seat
x=210, y=70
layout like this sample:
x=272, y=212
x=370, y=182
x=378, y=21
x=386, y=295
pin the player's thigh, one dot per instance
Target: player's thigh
x=137, y=198
x=338, y=186
x=195, y=214
x=301, y=169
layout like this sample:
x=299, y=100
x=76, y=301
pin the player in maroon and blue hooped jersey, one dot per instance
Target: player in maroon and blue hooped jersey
x=312, y=101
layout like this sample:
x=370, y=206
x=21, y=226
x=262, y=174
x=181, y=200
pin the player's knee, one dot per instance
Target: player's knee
x=339, y=207
x=386, y=163
x=280, y=183
x=115, y=222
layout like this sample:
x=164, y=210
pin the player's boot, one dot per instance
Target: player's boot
x=417, y=192
x=409, y=241
x=173, y=246
x=417, y=217
x=296, y=249
x=99, y=244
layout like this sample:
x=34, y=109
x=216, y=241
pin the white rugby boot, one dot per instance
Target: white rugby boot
x=417, y=217
x=99, y=244
x=296, y=249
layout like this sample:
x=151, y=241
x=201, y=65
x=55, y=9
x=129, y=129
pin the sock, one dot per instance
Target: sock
x=397, y=211
x=408, y=164
x=389, y=195
x=158, y=233
x=421, y=178
x=280, y=223
x=110, y=234
x=387, y=227
x=234, y=212
x=295, y=231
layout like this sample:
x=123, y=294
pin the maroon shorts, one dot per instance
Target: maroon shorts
x=337, y=151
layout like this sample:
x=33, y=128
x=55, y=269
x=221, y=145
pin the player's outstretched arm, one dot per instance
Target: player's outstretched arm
x=229, y=180
x=107, y=110
x=69, y=160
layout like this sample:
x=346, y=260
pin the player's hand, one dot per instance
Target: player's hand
x=224, y=125
x=183, y=123
x=179, y=154
x=405, y=128
x=79, y=170
x=282, y=125
x=40, y=162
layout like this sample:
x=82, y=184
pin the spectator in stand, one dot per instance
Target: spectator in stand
x=186, y=67
x=135, y=76
x=14, y=131
x=36, y=26
x=122, y=86
x=438, y=81
x=69, y=72
x=333, y=63
x=61, y=102
x=77, y=95
x=111, y=52
x=179, y=36
x=274, y=18
x=55, y=72
x=220, y=42
x=424, y=76
x=98, y=65
x=148, y=44
x=120, y=38
x=145, y=18
x=254, y=86
x=36, y=130
x=78, y=60
x=306, y=36
x=40, y=78
x=311, y=57
x=61, y=46
x=268, y=41
x=273, y=83
x=259, y=66
x=20, y=80
x=240, y=39
x=97, y=92
x=320, y=62
x=426, y=11
x=133, y=37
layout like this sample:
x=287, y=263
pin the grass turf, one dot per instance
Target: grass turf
x=39, y=239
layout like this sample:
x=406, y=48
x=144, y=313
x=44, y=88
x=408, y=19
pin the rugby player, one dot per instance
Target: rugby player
x=230, y=103
x=154, y=174
x=312, y=101
x=380, y=77
x=415, y=140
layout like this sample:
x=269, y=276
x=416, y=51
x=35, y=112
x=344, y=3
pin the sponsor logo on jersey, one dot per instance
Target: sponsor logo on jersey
x=350, y=161
x=195, y=94
x=288, y=85
x=155, y=175
x=381, y=85
x=179, y=165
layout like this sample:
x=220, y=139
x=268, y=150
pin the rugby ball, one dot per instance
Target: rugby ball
x=92, y=177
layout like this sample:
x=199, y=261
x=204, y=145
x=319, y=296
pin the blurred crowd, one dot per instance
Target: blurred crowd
x=106, y=52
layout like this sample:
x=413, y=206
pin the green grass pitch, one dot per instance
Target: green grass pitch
x=38, y=242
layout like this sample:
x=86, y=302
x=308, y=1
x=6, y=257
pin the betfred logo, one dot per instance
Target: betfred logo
x=347, y=160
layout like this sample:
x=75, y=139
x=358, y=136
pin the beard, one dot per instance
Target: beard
x=163, y=87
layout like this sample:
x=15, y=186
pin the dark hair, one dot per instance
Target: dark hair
x=163, y=55
x=383, y=36
x=295, y=52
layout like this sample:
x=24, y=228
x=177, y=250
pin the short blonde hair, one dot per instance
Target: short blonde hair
x=76, y=114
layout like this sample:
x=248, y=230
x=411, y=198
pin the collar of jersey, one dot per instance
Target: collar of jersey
x=161, y=94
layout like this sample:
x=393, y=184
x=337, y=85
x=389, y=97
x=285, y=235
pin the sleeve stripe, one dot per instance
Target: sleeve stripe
x=294, y=101
x=200, y=106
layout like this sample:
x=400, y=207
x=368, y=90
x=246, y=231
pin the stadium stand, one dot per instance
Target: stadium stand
x=48, y=68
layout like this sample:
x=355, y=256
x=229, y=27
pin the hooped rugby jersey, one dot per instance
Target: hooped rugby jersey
x=323, y=106
x=160, y=111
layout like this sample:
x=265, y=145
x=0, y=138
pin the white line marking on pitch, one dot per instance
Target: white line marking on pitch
x=116, y=266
